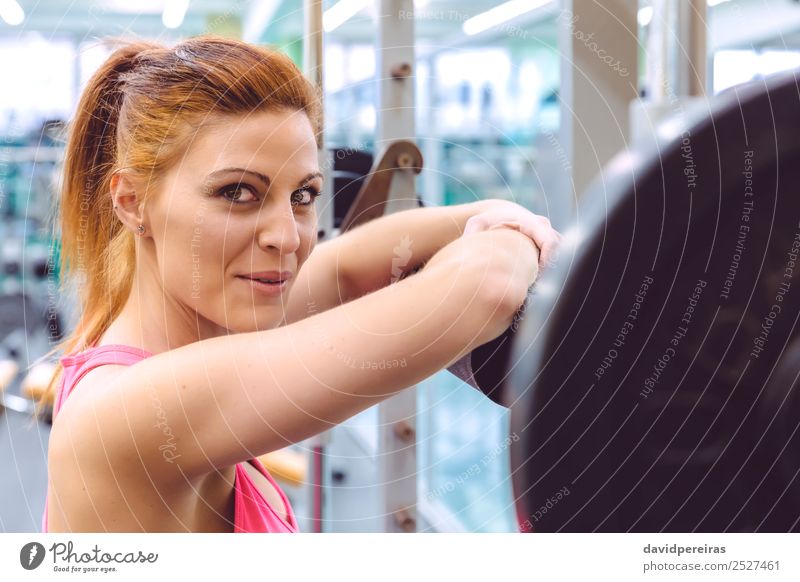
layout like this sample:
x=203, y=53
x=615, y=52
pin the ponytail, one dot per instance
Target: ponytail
x=97, y=252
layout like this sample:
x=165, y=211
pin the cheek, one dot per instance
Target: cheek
x=307, y=230
x=192, y=257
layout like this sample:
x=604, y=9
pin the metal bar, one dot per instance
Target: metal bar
x=598, y=45
x=657, y=69
x=313, y=45
x=313, y=54
x=397, y=456
x=16, y=403
x=395, y=68
x=677, y=65
x=313, y=51
x=691, y=56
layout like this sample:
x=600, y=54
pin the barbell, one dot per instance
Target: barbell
x=651, y=380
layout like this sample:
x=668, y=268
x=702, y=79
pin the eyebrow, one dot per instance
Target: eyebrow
x=261, y=177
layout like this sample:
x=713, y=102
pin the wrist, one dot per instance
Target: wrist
x=469, y=209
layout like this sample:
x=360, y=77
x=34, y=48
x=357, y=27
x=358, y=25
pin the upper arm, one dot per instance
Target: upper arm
x=321, y=283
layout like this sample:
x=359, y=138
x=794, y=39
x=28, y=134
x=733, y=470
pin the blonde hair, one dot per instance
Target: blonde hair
x=141, y=106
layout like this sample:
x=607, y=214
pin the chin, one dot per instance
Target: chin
x=262, y=324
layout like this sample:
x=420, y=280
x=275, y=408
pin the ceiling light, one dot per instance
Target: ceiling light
x=341, y=12
x=645, y=16
x=257, y=19
x=139, y=7
x=11, y=12
x=174, y=11
x=500, y=14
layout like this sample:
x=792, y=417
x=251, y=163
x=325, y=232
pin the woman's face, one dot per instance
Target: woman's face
x=239, y=202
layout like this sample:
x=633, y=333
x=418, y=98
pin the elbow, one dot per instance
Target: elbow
x=504, y=291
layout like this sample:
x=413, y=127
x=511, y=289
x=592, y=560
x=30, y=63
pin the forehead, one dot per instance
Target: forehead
x=270, y=139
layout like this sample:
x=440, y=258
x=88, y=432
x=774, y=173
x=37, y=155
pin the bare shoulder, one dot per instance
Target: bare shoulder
x=94, y=381
x=95, y=490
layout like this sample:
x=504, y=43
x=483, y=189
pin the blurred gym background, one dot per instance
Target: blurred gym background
x=487, y=83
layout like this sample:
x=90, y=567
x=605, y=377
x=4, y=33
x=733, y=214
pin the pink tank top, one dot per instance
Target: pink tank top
x=253, y=513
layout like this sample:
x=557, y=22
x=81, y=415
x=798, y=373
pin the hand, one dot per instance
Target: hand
x=503, y=213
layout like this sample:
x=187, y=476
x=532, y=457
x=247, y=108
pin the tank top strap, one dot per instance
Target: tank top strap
x=256, y=462
x=78, y=365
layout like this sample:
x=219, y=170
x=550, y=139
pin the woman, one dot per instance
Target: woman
x=212, y=330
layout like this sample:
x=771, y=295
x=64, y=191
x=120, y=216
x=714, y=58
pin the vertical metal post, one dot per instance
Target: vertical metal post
x=677, y=64
x=599, y=80
x=395, y=69
x=692, y=58
x=657, y=59
x=313, y=52
x=396, y=455
x=313, y=36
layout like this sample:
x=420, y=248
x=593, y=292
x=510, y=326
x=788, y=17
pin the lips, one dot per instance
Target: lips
x=268, y=276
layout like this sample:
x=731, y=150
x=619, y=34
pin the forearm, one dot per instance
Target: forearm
x=383, y=250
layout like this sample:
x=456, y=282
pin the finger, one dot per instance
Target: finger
x=474, y=224
x=545, y=237
x=537, y=232
x=553, y=252
x=550, y=248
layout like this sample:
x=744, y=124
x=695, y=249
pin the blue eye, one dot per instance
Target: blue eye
x=313, y=193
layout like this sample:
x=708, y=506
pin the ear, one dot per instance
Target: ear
x=128, y=200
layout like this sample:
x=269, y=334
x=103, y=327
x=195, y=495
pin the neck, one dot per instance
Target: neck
x=154, y=321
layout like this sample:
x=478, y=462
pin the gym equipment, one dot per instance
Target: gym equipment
x=22, y=321
x=8, y=373
x=30, y=319
x=350, y=168
x=35, y=382
x=287, y=465
x=373, y=196
x=484, y=368
x=652, y=380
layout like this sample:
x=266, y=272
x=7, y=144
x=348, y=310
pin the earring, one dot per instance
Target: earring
x=141, y=229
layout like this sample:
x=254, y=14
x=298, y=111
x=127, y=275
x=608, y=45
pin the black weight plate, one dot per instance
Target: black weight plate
x=640, y=391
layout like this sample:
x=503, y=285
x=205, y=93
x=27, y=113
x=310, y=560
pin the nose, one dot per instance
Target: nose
x=277, y=228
